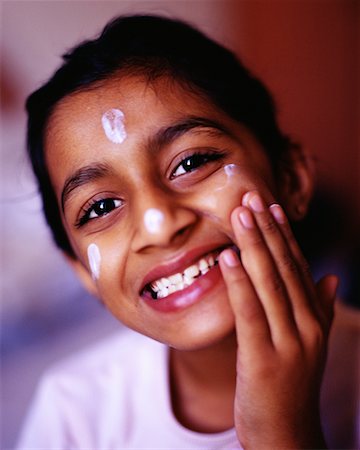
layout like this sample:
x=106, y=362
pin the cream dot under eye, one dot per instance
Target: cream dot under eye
x=231, y=169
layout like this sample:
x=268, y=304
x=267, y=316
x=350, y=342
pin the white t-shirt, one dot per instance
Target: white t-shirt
x=114, y=396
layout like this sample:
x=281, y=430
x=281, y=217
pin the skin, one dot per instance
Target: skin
x=259, y=337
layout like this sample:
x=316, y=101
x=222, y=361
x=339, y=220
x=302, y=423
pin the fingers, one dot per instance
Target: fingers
x=288, y=264
x=253, y=236
x=274, y=275
x=251, y=323
x=326, y=289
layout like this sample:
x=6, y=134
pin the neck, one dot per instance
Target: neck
x=202, y=381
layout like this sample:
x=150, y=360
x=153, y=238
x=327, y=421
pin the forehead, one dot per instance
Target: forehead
x=75, y=135
x=76, y=121
x=141, y=101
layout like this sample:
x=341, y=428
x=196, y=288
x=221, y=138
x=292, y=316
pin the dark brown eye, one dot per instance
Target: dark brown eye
x=102, y=207
x=97, y=209
x=193, y=162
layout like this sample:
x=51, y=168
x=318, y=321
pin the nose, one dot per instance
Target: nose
x=161, y=220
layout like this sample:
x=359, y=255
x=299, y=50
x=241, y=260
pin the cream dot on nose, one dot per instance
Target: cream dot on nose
x=153, y=220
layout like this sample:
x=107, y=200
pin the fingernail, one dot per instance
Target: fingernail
x=230, y=258
x=245, y=198
x=256, y=203
x=246, y=218
x=277, y=213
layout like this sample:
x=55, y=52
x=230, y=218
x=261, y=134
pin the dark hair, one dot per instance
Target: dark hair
x=153, y=47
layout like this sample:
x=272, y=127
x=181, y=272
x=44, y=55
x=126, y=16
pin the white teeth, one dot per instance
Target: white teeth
x=163, y=293
x=178, y=281
x=180, y=286
x=172, y=289
x=188, y=281
x=165, y=282
x=203, y=264
x=192, y=271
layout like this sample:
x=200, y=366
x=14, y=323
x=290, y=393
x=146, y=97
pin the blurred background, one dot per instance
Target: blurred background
x=307, y=52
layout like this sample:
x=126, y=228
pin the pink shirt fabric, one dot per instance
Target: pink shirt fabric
x=113, y=396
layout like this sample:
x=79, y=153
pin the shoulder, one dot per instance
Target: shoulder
x=84, y=399
x=113, y=359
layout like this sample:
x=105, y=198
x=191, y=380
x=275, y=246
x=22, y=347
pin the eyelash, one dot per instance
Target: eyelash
x=91, y=207
x=202, y=159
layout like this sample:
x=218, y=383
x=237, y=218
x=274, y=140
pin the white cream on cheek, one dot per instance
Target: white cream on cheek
x=153, y=220
x=231, y=171
x=113, y=125
x=94, y=258
x=222, y=197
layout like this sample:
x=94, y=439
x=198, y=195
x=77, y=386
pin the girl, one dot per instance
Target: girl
x=162, y=170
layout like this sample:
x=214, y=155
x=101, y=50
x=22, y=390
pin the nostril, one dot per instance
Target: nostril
x=182, y=231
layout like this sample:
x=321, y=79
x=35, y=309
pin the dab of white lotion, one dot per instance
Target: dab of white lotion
x=226, y=187
x=94, y=258
x=113, y=124
x=153, y=219
x=230, y=171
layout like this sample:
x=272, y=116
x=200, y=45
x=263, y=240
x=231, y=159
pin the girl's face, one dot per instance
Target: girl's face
x=146, y=176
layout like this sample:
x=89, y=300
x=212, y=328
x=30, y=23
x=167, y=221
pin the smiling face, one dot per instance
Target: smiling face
x=148, y=215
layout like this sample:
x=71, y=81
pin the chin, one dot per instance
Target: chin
x=203, y=330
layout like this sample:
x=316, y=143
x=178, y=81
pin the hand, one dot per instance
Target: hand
x=282, y=325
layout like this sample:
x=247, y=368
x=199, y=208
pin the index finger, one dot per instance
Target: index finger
x=252, y=328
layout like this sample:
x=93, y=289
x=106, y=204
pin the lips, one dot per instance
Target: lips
x=180, y=274
x=165, y=286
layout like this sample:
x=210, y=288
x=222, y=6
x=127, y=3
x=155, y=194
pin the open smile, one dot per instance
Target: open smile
x=181, y=283
x=163, y=287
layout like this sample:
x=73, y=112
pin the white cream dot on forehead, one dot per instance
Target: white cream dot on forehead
x=113, y=125
x=153, y=219
x=94, y=258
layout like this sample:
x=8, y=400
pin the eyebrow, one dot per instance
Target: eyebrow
x=83, y=176
x=161, y=138
x=167, y=135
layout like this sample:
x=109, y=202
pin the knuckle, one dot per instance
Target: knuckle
x=275, y=283
x=269, y=226
x=256, y=241
x=293, y=349
x=288, y=264
x=306, y=269
x=316, y=337
x=239, y=277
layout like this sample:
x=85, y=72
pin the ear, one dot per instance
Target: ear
x=84, y=275
x=296, y=183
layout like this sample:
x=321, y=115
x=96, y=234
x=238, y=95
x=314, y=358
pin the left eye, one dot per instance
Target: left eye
x=102, y=207
x=191, y=163
x=98, y=209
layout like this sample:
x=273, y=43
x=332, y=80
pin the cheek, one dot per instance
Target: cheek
x=218, y=195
